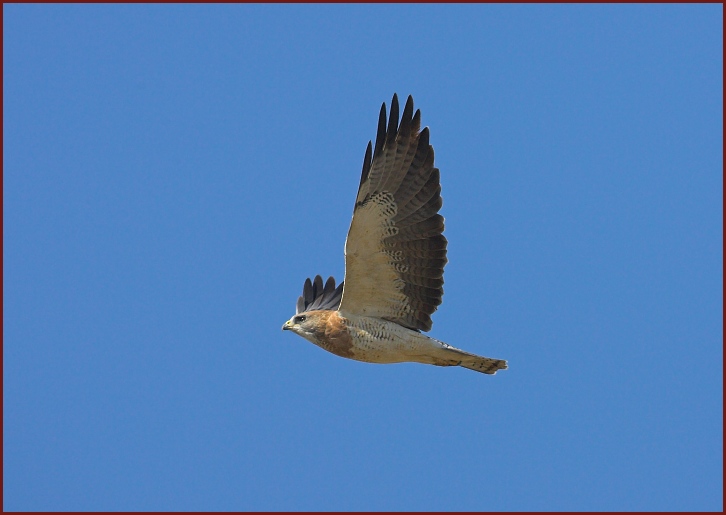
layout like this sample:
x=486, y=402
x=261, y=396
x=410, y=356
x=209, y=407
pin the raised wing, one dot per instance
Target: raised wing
x=395, y=251
x=318, y=297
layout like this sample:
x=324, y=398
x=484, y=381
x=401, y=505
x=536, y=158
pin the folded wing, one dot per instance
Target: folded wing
x=395, y=251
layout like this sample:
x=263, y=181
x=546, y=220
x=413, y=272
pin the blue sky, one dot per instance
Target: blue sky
x=172, y=174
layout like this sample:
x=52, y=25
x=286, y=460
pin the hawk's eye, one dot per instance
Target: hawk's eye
x=299, y=319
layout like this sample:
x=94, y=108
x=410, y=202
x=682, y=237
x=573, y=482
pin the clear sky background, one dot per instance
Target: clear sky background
x=172, y=174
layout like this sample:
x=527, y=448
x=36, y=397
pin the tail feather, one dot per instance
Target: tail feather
x=451, y=356
x=484, y=365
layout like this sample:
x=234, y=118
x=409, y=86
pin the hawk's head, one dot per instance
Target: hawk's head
x=314, y=307
x=310, y=325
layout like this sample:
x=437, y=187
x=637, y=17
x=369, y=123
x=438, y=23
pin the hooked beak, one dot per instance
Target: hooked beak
x=286, y=326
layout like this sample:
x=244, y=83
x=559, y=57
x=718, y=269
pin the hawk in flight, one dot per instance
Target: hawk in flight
x=394, y=260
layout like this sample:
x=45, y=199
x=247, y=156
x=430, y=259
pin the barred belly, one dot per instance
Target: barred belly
x=379, y=341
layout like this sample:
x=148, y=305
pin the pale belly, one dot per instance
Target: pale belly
x=379, y=341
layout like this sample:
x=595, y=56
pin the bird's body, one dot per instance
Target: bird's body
x=375, y=340
x=395, y=255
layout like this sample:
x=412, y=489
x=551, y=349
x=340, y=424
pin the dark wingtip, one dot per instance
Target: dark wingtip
x=318, y=297
x=408, y=109
x=423, y=139
x=393, y=121
x=381, y=134
x=416, y=122
x=317, y=286
x=308, y=291
x=366, y=165
x=404, y=129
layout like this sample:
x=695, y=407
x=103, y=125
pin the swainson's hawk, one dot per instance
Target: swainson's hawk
x=394, y=260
